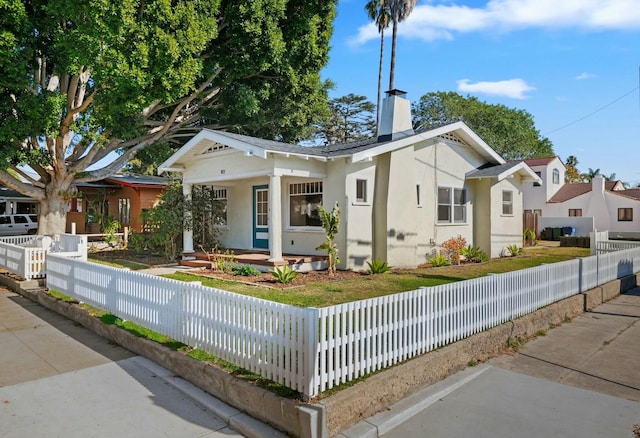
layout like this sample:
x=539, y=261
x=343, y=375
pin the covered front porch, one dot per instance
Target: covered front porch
x=261, y=260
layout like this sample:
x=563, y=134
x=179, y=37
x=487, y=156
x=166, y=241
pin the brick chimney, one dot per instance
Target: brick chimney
x=395, y=120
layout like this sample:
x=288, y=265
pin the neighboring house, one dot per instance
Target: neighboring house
x=401, y=195
x=609, y=203
x=122, y=197
x=12, y=202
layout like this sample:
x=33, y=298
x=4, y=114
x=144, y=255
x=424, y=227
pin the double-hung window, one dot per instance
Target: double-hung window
x=219, y=202
x=452, y=205
x=304, y=200
x=507, y=203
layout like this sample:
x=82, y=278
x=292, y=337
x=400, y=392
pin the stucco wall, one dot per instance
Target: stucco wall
x=506, y=229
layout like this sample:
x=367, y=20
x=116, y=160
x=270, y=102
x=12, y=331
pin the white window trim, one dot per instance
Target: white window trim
x=452, y=222
x=290, y=227
x=504, y=203
x=366, y=193
x=218, y=191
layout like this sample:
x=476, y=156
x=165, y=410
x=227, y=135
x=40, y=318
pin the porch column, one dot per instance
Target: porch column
x=187, y=235
x=275, y=219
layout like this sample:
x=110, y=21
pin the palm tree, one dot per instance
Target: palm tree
x=588, y=176
x=400, y=10
x=379, y=13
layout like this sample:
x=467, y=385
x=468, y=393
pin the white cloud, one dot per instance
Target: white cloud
x=584, y=75
x=513, y=88
x=443, y=19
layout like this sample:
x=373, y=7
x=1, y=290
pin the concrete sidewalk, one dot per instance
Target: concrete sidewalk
x=59, y=379
x=579, y=379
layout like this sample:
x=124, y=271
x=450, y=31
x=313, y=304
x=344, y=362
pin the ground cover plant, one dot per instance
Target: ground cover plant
x=315, y=289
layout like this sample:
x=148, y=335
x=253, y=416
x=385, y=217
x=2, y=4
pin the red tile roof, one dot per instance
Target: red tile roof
x=570, y=191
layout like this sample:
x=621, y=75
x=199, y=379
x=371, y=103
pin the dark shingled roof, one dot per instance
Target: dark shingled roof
x=9, y=193
x=492, y=171
x=327, y=151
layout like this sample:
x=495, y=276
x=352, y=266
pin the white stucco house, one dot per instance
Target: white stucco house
x=401, y=194
x=612, y=206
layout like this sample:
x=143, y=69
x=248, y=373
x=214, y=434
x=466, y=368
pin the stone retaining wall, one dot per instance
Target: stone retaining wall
x=343, y=409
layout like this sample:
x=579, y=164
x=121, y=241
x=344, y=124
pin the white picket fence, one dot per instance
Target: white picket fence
x=312, y=350
x=26, y=255
x=27, y=262
x=270, y=339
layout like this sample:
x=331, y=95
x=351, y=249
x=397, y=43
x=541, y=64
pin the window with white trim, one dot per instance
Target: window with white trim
x=507, y=202
x=575, y=212
x=556, y=176
x=304, y=199
x=452, y=205
x=220, y=205
x=361, y=190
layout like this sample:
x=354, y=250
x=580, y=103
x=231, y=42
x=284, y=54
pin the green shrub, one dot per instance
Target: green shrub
x=283, y=274
x=245, y=270
x=439, y=260
x=474, y=254
x=514, y=250
x=377, y=266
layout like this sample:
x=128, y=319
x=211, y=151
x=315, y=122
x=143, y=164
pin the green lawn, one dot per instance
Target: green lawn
x=369, y=286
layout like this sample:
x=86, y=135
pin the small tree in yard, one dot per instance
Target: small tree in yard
x=453, y=247
x=330, y=223
x=167, y=221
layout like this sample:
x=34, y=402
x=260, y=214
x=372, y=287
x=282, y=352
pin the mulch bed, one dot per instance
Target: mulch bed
x=267, y=280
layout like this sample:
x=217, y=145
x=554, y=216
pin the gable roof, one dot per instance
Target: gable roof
x=572, y=190
x=502, y=171
x=139, y=181
x=208, y=139
x=543, y=161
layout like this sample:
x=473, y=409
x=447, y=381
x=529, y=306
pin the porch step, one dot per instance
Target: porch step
x=196, y=263
x=257, y=259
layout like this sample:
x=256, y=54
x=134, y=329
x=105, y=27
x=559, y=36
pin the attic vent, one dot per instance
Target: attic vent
x=452, y=137
x=217, y=147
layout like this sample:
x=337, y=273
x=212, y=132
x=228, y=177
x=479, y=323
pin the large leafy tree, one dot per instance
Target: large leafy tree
x=83, y=80
x=510, y=132
x=350, y=118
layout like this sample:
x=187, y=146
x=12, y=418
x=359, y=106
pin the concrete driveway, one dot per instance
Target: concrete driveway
x=58, y=379
x=581, y=379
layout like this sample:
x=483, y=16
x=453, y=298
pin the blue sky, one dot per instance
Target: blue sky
x=567, y=62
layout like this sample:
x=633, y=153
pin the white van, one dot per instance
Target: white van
x=18, y=224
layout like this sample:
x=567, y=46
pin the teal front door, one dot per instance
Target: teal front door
x=261, y=217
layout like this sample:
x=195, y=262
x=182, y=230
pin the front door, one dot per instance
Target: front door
x=261, y=217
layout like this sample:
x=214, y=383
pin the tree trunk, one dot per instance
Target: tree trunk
x=52, y=217
x=392, y=72
x=380, y=83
